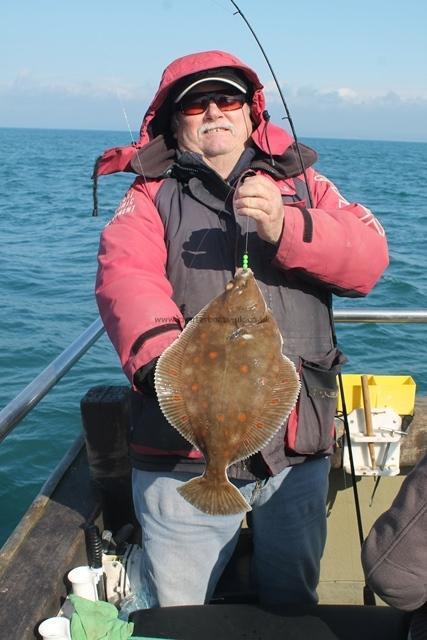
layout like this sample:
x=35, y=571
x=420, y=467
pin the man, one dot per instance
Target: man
x=213, y=171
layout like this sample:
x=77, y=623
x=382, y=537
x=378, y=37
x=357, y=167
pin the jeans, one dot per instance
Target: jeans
x=185, y=550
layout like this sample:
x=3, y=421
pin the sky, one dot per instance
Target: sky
x=348, y=69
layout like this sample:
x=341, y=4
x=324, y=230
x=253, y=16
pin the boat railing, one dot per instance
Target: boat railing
x=31, y=395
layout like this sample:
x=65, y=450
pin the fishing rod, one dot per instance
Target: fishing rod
x=368, y=595
x=282, y=97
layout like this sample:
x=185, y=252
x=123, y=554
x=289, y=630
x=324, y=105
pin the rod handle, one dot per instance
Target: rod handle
x=368, y=417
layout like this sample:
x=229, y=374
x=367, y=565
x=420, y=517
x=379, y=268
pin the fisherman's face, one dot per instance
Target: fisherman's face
x=215, y=134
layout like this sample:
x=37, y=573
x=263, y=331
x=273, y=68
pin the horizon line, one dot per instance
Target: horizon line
x=314, y=137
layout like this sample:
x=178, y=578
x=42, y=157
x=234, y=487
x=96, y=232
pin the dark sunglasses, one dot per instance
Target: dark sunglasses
x=195, y=105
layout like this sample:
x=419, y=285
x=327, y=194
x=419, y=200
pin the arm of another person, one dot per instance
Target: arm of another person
x=394, y=555
x=133, y=293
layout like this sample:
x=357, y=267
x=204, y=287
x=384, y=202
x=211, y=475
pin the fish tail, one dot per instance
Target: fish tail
x=213, y=497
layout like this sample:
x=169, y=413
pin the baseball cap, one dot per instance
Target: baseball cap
x=226, y=75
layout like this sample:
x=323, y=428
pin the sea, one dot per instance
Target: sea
x=49, y=242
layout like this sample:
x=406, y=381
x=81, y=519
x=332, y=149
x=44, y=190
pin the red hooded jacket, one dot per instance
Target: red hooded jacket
x=334, y=246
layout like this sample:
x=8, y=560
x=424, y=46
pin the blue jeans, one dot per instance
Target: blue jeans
x=185, y=550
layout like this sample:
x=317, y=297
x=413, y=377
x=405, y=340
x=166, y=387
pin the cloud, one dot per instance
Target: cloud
x=27, y=101
x=340, y=94
x=26, y=84
x=348, y=95
x=344, y=112
x=344, y=95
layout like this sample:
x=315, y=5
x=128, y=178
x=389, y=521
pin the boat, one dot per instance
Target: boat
x=91, y=486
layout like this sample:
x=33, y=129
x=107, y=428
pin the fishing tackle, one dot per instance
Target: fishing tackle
x=245, y=259
x=288, y=115
x=368, y=595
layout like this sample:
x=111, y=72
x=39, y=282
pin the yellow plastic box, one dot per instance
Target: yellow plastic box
x=396, y=392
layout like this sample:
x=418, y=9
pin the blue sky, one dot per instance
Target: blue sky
x=348, y=69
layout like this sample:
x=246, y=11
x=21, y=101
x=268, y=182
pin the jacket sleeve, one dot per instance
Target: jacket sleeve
x=133, y=293
x=394, y=555
x=336, y=243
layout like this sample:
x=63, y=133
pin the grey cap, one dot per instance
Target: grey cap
x=226, y=75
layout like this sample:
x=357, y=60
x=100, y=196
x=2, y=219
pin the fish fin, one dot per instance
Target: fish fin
x=276, y=410
x=167, y=384
x=214, y=498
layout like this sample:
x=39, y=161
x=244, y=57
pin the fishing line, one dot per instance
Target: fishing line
x=230, y=194
x=125, y=116
x=245, y=257
x=138, y=159
x=288, y=115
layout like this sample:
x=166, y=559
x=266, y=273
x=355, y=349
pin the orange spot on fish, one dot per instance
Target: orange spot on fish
x=259, y=425
x=196, y=359
x=195, y=387
x=213, y=355
x=244, y=368
x=203, y=335
x=177, y=397
x=274, y=401
x=241, y=417
x=220, y=417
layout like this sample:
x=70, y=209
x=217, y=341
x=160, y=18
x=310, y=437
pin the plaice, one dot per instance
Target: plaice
x=225, y=385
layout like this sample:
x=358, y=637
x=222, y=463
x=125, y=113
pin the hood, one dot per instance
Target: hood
x=267, y=137
x=157, y=117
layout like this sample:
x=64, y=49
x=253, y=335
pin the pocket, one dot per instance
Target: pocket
x=311, y=427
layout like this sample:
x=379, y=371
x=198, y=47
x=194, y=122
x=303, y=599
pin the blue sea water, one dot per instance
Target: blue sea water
x=48, y=252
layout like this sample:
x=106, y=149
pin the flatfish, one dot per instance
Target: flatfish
x=225, y=385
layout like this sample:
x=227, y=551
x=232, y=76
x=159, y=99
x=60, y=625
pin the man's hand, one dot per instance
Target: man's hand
x=259, y=198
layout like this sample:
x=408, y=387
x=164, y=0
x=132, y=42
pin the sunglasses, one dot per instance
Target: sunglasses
x=195, y=105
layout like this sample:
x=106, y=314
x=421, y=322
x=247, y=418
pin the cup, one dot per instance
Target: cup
x=57, y=628
x=83, y=582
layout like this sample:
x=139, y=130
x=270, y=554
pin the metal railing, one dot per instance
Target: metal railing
x=22, y=404
x=29, y=397
x=381, y=316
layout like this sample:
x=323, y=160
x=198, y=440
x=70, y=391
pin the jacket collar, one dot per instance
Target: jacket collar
x=160, y=159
